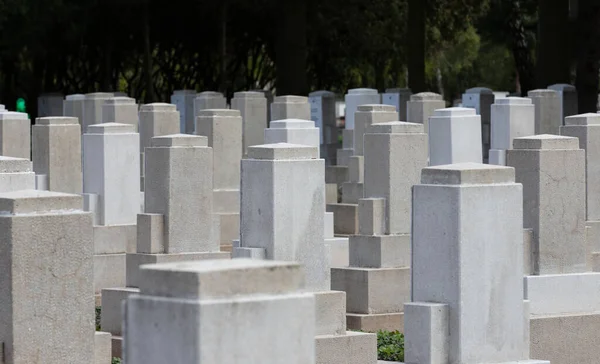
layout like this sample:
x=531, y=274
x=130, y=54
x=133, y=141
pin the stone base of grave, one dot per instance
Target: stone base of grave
x=102, y=348
x=593, y=241
x=375, y=322
x=561, y=294
x=115, y=239
x=345, y=218
x=497, y=157
x=373, y=290
x=595, y=257
x=109, y=271
x=338, y=252
x=331, y=193
x=111, y=319
x=566, y=339
x=351, y=348
x=134, y=261
x=117, y=346
x=336, y=174
x=352, y=192
x=343, y=155
x=229, y=224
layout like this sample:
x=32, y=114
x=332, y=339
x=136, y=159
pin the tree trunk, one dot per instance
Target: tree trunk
x=291, y=48
x=554, y=56
x=520, y=47
x=416, y=45
x=148, y=55
x=223, y=49
x=588, y=55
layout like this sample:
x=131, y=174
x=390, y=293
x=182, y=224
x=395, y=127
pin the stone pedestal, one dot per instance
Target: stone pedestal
x=548, y=116
x=121, y=110
x=568, y=96
x=73, y=107
x=208, y=100
x=111, y=186
x=457, y=314
x=356, y=97
x=253, y=109
x=16, y=174
x=223, y=129
x=15, y=137
x=397, y=97
x=56, y=143
x=273, y=319
x=395, y=153
x=92, y=108
x=45, y=289
x=512, y=117
x=293, y=131
x=184, y=101
x=50, y=105
x=454, y=136
x=290, y=107
x=421, y=107
x=481, y=99
x=322, y=112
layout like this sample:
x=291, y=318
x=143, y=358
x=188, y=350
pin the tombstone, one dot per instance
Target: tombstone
x=15, y=138
x=50, y=105
x=2, y=107
x=347, y=151
x=293, y=131
x=322, y=112
x=268, y=94
x=500, y=95
x=111, y=186
x=73, y=107
x=184, y=101
x=512, y=117
x=547, y=111
x=16, y=174
x=223, y=128
x=120, y=94
x=208, y=100
x=421, y=107
x=92, y=108
x=290, y=107
x=377, y=282
x=563, y=292
x=568, y=99
x=253, y=108
x=481, y=99
x=586, y=127
x=268, y=315
x=454, y=136
x=177, y=223
x=356, y=97
x=397, y=97
x=56, y=144
x=47, y=302
x=121, y=110
x=277, y=226
x=155, y=120
x=457, y=314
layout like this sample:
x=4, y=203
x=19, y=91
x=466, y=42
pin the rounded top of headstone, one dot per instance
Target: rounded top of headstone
x=398, y=90
x=479, y=90
x=75, y=97
x=121, y=100
x=543, y=93
x=57, y=120
x=15, y=165
x=454, y=111
x=35, y=201
x=562, y=87
x=583, y=119
x=282, y=151
x=291, y=99
x=358, y=91
x=375, y=108
x=209, y=94
x=224, y=113
x=184, y=92
x=158, y=107
x=321, y=93
x=13, y=115
x=111, y=128
x=395, y=127
x=292, y=124
x=99, y=95
x=249, y=95
x=513, y=101
x=2, y=107
x=423, y=96
x=210, y=279
x=546, y=142
x=467, y=174
x=180, y=140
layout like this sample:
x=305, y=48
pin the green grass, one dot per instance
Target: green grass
x=390, y=345
x=98, y=312
x=115, y=361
